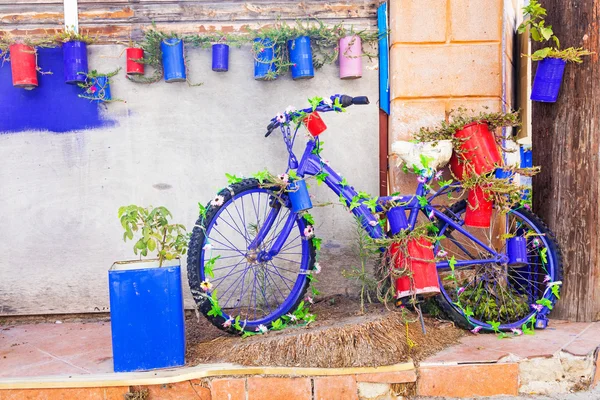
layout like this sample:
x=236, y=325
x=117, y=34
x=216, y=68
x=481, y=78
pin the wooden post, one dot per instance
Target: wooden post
x=566, y=140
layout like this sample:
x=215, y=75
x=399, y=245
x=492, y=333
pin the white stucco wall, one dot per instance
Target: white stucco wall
x=59, y=193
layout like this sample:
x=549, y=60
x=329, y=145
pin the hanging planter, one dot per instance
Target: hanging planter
x=516, y=249
x=479, y=208
x=97, y=86
x=547, y=81
x=23, y=66
x=173, y=60
x=479, y=153
x=350, y=57
x=420, y=262
x=220, y=57
x=301, y=58
x=314, y=123
x=75, y=62
x=299, y=196
x=134, y=67
x=264, y=59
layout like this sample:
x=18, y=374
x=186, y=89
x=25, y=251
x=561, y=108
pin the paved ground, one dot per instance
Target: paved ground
x=591, y=395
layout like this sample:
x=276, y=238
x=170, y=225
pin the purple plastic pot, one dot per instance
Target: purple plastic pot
x=517, y=251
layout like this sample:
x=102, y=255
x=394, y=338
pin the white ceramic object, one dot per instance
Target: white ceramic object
x=410, y=153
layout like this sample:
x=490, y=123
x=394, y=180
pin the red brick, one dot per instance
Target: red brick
x=388, y=377
x=178, y=391
x=228, y=389
x=103, y=393
x=469, y=380
x=279, y=388
x=335, y=388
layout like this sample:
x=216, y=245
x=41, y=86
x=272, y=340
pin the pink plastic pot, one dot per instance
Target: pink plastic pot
x=479, y=208
x=314, y=124
x=350, y=57
x=421, y=264
x=479, y=154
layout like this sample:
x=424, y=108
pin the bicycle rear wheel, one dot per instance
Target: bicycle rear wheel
x=496, y=296
x=248, y=284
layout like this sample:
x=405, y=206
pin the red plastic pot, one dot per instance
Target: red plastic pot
x=133, y=67
x=314, y=124
x=23, y=66
x=421, y=263
x=479, y=208
x=479, y=154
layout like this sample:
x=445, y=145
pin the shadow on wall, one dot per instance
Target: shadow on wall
x=53, y=106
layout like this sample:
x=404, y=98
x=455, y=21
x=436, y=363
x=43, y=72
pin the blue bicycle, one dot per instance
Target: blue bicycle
x=250, y=258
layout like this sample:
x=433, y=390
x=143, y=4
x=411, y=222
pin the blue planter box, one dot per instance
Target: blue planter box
x=173, y=60
x=146, y=315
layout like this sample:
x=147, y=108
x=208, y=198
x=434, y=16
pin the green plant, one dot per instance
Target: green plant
x=7, y=40
x=70, y=35
x=534, y=14
x=91, y=88
x=156, y=233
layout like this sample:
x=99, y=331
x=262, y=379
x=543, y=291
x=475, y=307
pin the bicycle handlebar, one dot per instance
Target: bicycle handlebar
x=344, y=101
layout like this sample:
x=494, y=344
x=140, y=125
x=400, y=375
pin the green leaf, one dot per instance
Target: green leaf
x=344, y=183
x=262, y=176
x=321, y=176
x=151, y=244
x=308, y=218
x=425, y=160
x=544, y=255
x=232, y=179
x=556, y=291
x=343, y=200
x=541, y=54
x=202, y=210
x=278, y=325
x=546, y=32
x=372, y=204
x=317, y=243
x=545, y=302
x=423, y=202
x=292, y=174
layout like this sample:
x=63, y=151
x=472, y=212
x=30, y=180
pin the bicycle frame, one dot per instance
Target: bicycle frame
x=311, y=165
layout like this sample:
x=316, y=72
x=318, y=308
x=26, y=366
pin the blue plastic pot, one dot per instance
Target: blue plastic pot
x=299, y=197
x=517, y=251
x=220, y=57
x=397, y=219
x=526, y=157
x=548, y=79
x=100, y=89
x=146, y=315
x=301, y=58
x=173, y=60
x=263, y=63
x=75, y=62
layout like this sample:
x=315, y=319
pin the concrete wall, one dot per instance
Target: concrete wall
x=169, y=144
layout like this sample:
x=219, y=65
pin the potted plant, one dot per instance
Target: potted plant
x=75, y=60
x=220, y=56
x=173, y=59
x=134, y=58
x=146, y=302
x=350, y=57
x=22, y=54
x=552, y=59
x=97, y=86
x=301, y=58
x=265, y=68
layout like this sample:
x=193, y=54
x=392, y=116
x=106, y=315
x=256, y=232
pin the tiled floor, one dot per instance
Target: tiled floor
x=73, y=348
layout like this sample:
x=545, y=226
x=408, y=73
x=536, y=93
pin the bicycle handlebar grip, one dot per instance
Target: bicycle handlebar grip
x=360, y=100
x=270, y=128
x=346, y=101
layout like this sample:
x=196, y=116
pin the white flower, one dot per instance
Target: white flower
x=217, y=201
x=206, y=285
x=373, y=223
x=517, y=331
x=309, y=231
x=292, y=317
x=207, y=247
x=310, y=300
x=442, y=253
x=537, y=307
x=421, y=179
x=547, y=278
x=227, y=323
x=317, y=268
x=555, y=283
x=327, y=101
x=280, y=118
x=431, y=215
x=476, y=329
x=290, y=109
x=284, y=177
x=438, y=175
x=262, y=329
x=460, y=291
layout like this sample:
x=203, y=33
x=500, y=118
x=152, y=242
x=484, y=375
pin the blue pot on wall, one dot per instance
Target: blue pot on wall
x=264, y=59
x=146, y=315
x=301, y=58
x=100, y=89
x=173, y=60
x=299, y=196
x=75, y=62
x=220, y=57
x=548, y=79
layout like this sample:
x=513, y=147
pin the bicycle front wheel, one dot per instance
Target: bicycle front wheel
x=248, y=282
x=498, y=296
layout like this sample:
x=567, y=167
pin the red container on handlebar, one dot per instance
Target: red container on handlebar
x=479, y=154
x=420, y=262
x=314, y=124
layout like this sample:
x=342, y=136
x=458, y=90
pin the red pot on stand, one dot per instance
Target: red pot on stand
x=479, y=208
x=480, y=153
x=23, y=65
x=421, y=263
x=134, y=67
x=314, y=124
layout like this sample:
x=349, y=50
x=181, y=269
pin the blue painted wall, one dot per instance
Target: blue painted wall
x=53, y=106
